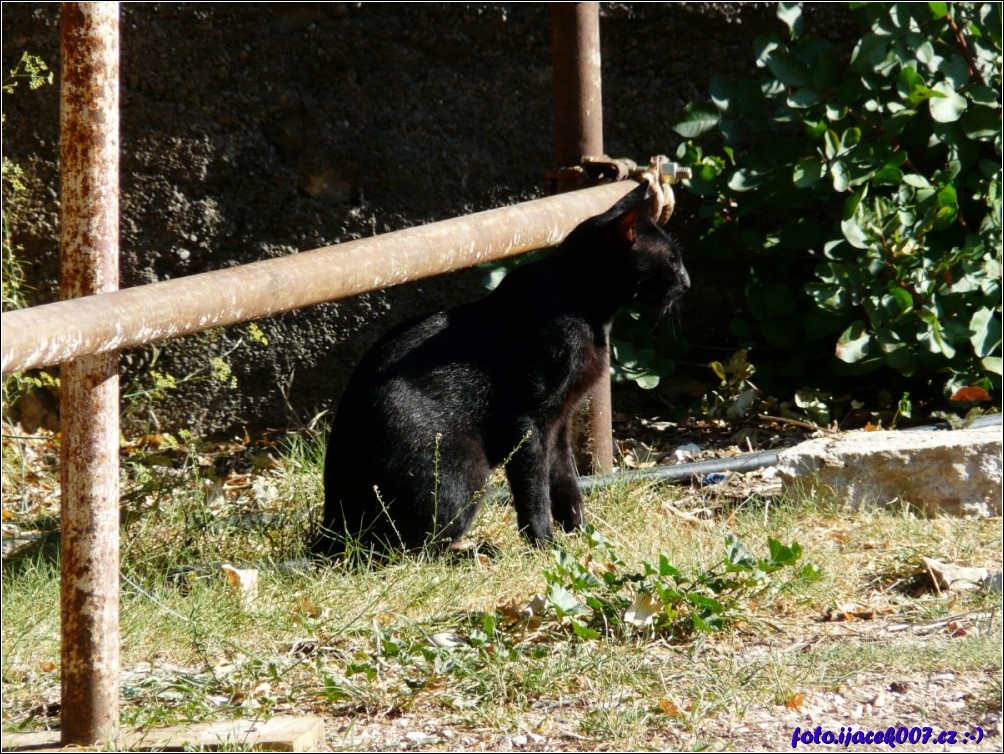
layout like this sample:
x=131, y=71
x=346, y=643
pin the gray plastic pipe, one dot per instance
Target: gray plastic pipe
x=685, y=472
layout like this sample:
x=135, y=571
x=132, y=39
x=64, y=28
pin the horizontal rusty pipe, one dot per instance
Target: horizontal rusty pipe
x=51, y=333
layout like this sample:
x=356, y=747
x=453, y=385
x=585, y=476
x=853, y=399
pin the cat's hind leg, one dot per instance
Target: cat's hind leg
x=455, y=488
x=528, y=472
x=566, y=498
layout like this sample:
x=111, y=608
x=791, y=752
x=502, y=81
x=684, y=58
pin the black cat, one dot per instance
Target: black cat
x=440, y=401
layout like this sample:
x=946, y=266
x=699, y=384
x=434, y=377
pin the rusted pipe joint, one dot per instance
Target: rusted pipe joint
x=661, y=173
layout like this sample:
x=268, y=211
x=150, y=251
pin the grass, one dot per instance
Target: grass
x=429, y=653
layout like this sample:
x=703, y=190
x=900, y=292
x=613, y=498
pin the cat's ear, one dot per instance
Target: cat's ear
x=635, y=207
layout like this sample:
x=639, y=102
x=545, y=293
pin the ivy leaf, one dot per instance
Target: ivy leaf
x=705, y=603
x=582, y=630
x=563, y=601
x=709, y=626
x=737, y=556
x=782, y=555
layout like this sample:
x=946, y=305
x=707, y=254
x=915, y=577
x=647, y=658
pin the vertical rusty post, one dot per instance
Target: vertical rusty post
x=89, y=165
x=578, y=133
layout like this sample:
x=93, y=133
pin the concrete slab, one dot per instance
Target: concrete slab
x=276, y=734
x=955, y=472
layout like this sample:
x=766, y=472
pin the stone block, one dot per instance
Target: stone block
x=955, y=472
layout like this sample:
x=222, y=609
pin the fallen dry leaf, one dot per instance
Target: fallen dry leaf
x=671, y=708
x=643, y=610
x=242, y=581
x=956, y=630
x=795, y=701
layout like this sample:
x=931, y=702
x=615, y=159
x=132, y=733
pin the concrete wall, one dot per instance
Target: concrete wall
x=257, y=130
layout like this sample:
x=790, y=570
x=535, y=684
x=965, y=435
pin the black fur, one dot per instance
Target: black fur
x=440, y=401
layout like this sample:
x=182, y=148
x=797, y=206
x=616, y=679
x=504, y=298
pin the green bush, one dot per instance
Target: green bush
x=862, y=188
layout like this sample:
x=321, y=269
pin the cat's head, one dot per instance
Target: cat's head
x=635, y=259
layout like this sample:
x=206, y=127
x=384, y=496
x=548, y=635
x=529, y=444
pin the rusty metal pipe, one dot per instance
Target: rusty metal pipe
x=578, y=133
x=89, y=555
x=576, y=82
x=50, y=333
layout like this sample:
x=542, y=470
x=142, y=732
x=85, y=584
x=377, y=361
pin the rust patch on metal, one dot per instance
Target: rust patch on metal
x=89, y=469
x=51, y=333
x=578, y=137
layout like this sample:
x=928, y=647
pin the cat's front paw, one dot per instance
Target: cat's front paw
x=567, y=507
x=539, y=536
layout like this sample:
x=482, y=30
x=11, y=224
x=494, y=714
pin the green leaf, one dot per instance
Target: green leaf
x=668, y=569
x=582, y=630
x=985, y=95
x=705, y=603
x=841, y=176
x=916, y=181
x=697, y=118
x=986, y=333
x=782, y=555
x=803, y=97
x=854, y=343
x=563, y=601
x=764, y=45
x=789, y=69
x=947, y=106
x=709, y=626
x=901, y=298
x=856, y=235
x=791, y=14
x=737, y=555
x=981, y=123
x=993, y=364
x=911, y=87
x=808, y=172
x=955, y=70
x=493, y=279
x=938, y=10
x=647, y=381
x=870, y=52
x=743, y=180
x=932, y=337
